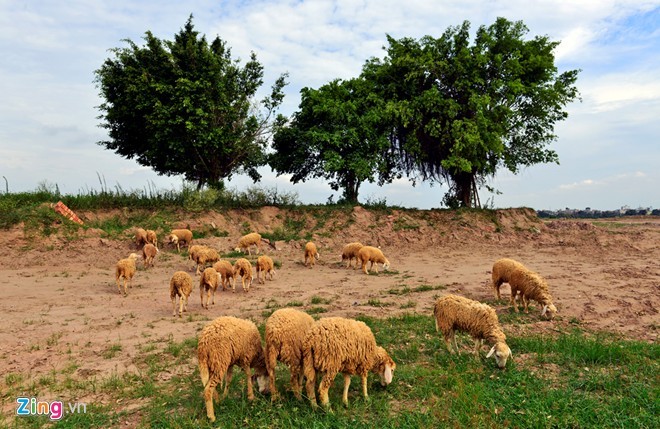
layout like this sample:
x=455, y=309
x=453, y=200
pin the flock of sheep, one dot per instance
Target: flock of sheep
x=329, y=345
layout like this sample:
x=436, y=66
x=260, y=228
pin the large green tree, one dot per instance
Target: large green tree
x=186, y=107
x=337, y=135
x=460, y=110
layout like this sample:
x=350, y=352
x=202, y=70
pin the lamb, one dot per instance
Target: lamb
x=180, y=235
x=181, y=286
x=502, y=269
x=152, y=237
x=243, y=268
x=285, y=332
x=208, y=283
x=311, y=254
x=140, y=237
x=249, y=240
x=223, y=343
x=373, y=255
x=149, y=252
x=265, y=264
x=226, y=271
x=350, y=251
x=531, y=286
x=336, y=344
x=203, y=256
x=453, y=312
x=126, y=268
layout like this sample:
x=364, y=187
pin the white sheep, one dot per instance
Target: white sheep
x=336, y=344
x=373, y=255
x=208, y=284
x=226, y=271
x=265, y=265
x=223, y=343
x=181, y=286
x=453, y=312
x=149, y=252
x=179, y=236
x=531, y=286
x=350, y=251
x=311, y=254
x=502, y=269
x=126, y=268
x=243, y=268
x=285, y=331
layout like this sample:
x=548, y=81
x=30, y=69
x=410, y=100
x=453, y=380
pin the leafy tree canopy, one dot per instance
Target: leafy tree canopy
x=461, y=111
x=186, y=107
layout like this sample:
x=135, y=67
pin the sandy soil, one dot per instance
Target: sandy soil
x=60, y=303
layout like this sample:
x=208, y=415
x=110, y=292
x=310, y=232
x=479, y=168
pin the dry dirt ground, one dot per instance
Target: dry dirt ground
x=60, y=303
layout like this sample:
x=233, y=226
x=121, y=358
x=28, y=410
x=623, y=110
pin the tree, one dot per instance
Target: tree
x=337, y=135
x=186, y=107
x=462, y=112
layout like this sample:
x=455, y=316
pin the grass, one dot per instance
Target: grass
x=569, y=379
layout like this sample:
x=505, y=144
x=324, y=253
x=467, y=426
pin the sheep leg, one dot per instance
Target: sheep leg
x=477, y=346
x=180, y=305
x=173, y=305
x=248, y=376
x=271, y=363
x=212, y=297
x=228, y=376
x=513, y=300
x=364, y=267
x=363, y=378
x=324, y=386
x=347, y=382
x=296, y=381
x=209, y=394
x=448, y=337
x=376, y=264
x=309, y=386
x=201, y=295
x=525, y=302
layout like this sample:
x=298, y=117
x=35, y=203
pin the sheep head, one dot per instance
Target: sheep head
x=173, y=238
x=549, y=311
x=501, y=352
x=386, y=265
x=384, y=366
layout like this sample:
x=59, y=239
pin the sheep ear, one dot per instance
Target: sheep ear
x=388, y=374
x=545, y=310
x=490, y=353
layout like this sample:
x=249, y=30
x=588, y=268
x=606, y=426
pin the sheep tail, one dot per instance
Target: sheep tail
x=204, y=370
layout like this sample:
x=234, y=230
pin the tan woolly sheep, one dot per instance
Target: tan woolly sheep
x=223, y=343
x=265, y=264
x=336, y=344
x=149, y=252
x=531, y=286
x=140, y=237
x=208, y=284
x=181, y=286
x=226, y=271
x=152, y=237
x=126, y=268
x=179, y=236
x=453, y=312
x=247, y=241
x=243, y=268
x=311, y=254
x=373, y=255
x=204, y=256
x=349, y=252
x=285, y=331
x=502, y=269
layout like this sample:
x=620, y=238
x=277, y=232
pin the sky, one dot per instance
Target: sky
x=609, y=147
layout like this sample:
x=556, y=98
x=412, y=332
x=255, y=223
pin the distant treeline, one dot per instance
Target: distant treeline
x=595, y=214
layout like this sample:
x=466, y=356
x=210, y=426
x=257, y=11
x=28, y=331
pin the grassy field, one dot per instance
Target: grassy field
x=569, y=379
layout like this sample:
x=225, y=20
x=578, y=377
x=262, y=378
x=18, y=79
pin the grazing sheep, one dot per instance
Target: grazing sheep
x=243, y=268
x=265, y=264
x=177, y=236
x=149, y=252
x=453, y=312
x=336, y=344
x=249, y=240
x=181, y=286
x=502, y=269
x=140, y=237
x=126, y=268
x=373, y=255
x=192, y=251
x=223, y=343
x=311, y=254
x=226, y=271
x=208, y=283
x=205, y=256
x=152, y=237
x=285, y=331
x=349, y=252
x=531, y=286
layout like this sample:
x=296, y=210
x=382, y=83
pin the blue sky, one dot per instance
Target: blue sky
x=609, y=147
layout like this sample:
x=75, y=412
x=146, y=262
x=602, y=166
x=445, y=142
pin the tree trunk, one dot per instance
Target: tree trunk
x=351, y=191
x=464, y=191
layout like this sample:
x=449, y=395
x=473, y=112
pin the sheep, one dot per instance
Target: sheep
x=285, y=332
x=226, y=271
x=249, y=240
x=152, y=237
x=208, y=283
x=350, y=251
x=223, y=343
x=311, y=254
x=203, y=256
x=453, y=312
x=179, y=235
x=140, y=237
x=502, y=269
x=336, y=344
x=181, y=286
x=265, y=264
x=373, y=255
x=243, y=268
x=126, y=268
x=149, y=252
x=531, y=286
